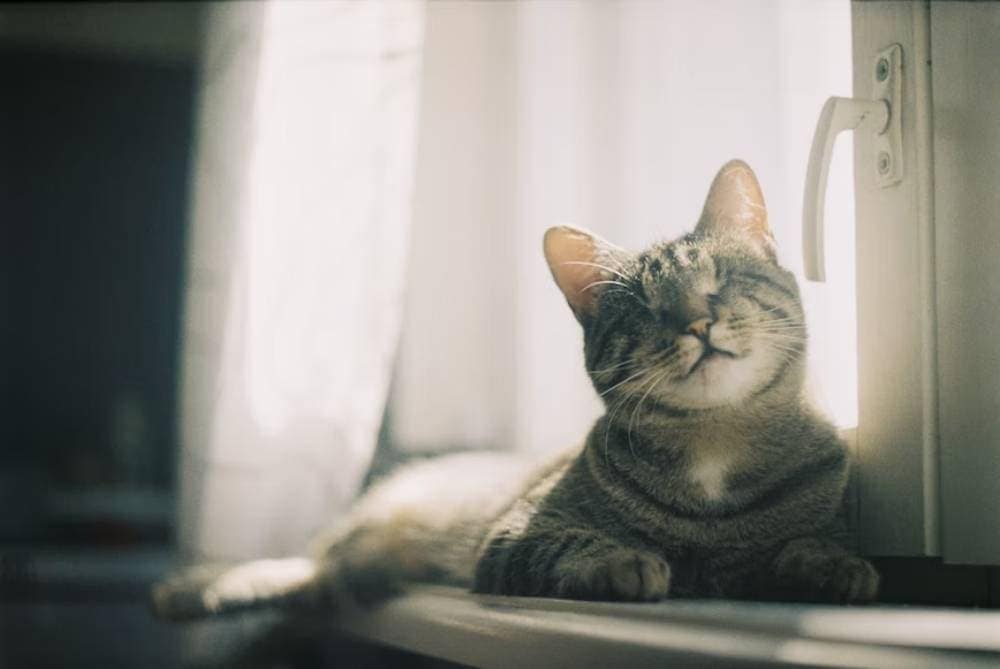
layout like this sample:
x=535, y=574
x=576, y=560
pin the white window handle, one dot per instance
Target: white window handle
x=881, y=120
x=838, y=114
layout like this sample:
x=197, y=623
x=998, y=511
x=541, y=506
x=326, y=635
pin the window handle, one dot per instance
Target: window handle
x=839, y=114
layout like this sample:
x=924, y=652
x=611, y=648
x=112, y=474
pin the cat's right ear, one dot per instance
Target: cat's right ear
x=735, y=207
x=583, y=265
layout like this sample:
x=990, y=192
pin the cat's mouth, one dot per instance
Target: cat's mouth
x=708, y=354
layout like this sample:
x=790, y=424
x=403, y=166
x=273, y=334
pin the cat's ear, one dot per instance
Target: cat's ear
x=735, y=206
x=583, y=265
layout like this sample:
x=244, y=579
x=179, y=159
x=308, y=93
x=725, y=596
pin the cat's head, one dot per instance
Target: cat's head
x=708, y=320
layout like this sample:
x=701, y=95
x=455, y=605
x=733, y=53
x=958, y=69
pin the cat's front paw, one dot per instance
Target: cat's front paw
x=851, y=580
x=844, y=579
x=621, y=575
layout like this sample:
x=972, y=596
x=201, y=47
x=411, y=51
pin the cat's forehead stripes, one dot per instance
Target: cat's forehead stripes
x=670, y=272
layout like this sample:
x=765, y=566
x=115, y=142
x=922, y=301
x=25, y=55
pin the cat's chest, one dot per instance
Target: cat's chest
x=711, y=459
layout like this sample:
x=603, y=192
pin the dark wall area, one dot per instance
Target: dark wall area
x=94, y=153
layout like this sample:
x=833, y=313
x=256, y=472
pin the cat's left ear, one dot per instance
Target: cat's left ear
x=583, y=265
x=735, y=206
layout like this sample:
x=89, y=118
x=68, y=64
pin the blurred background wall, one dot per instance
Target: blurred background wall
x=95, y=144
x=96, y=134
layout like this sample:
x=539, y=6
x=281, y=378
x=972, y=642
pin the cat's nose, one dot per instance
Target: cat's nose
x=700, y=327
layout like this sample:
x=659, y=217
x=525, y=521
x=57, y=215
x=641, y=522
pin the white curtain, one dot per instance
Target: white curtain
x=300, y=225
x=318, y=121
x=615, y=117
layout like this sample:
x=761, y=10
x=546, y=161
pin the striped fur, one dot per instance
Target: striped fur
x=709, y=475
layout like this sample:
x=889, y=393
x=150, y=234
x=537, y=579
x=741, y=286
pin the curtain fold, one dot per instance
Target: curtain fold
x=297, y=253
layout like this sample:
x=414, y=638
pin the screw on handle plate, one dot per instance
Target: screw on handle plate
x=887, y=85
x=882, y=69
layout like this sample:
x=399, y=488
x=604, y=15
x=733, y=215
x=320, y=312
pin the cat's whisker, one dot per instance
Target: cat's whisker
x=799, y=332
x=667, y=354
x=772, y=309
x=638, y=407
x=641, y=372
x=782, y=321
x=780, y=339
x=790, y=352
x=598, y=266
x=629, y=293
x=664, y=357
x=612, y=368
x=601, y=283
x=757, y=313
x=653, y=364
x=765, y=325
x=772, y=328
x=617, y=262
x=610, y=421
x=766, y=321
x=632, y=418
x=783, y=356
x=783, y=324
x=781, y=334
x=778, y=336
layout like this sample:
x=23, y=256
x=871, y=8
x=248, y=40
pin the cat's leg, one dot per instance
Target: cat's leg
x=571, y=563
x=370, y=562
x=817, y=568
x=209, y=590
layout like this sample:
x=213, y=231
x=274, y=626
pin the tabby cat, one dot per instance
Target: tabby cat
x=709, y=475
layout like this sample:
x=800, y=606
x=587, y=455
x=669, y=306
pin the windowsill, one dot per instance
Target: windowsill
x=490, y=631
x=485, y=631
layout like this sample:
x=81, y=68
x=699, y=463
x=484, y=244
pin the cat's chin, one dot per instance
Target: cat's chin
x=718, y=381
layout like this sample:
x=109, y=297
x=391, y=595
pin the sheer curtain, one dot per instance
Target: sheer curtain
x=300, y=225
x=320, y=120
x=614, y=117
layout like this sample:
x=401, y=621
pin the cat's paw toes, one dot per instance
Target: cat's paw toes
x=623, y=575
x=851, y=580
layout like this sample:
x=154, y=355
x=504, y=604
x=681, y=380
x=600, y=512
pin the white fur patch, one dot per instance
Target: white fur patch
x=713, y=455
x=258, y=580
x=710, y=473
